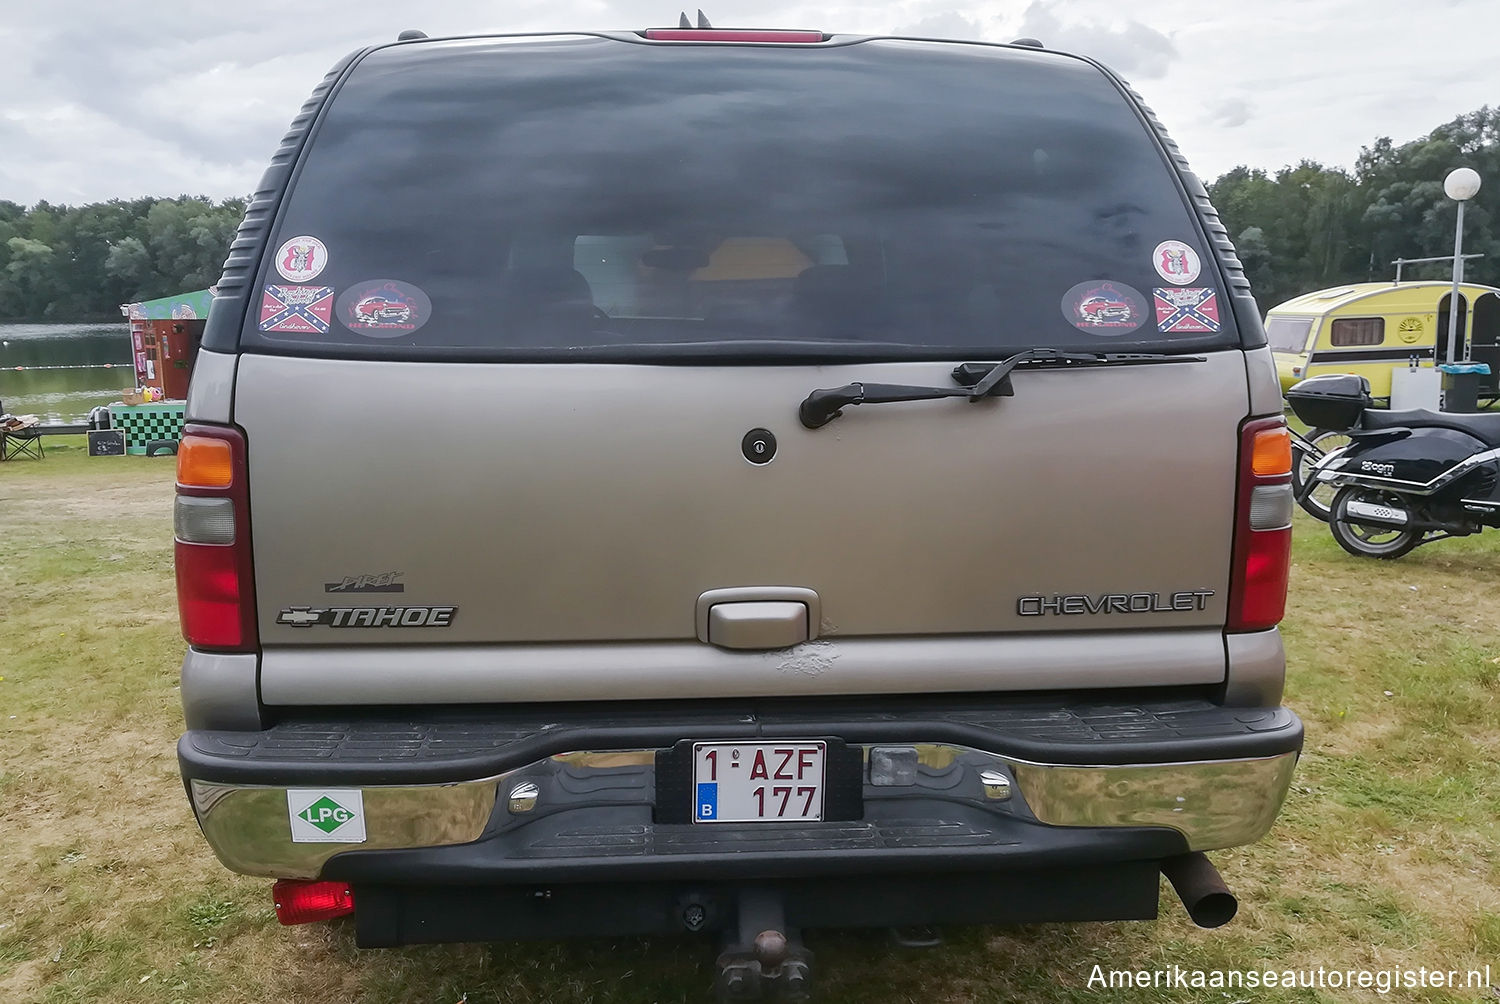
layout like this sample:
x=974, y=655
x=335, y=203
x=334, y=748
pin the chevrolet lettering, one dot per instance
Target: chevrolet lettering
x=1114, y=603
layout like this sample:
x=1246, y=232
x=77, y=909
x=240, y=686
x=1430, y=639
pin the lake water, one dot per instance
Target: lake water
x=63, y=395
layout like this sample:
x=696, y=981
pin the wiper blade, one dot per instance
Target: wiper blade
x=977, y=381
x=972, y=374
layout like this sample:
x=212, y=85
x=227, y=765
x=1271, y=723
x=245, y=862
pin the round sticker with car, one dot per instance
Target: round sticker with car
x=1176, y=262
x=301, y=258
x=1104, y=308
x=384, y=308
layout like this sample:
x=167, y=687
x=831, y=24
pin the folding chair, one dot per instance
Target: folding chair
x=22, y=443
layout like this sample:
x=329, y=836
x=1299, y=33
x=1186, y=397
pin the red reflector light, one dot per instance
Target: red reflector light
x=732, y=35
x=1262, y=557
x=299, y=902
x=208, y=595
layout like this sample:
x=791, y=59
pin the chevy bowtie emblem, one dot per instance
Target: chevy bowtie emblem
x=299, y=616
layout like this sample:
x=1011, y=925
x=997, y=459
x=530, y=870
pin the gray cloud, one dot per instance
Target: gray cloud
x=1230, y=113
x=944, y=24
x=1135, y=49
x=104, y=98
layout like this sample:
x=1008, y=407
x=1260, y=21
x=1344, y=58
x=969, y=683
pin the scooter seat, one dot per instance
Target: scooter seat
x=1485, y=428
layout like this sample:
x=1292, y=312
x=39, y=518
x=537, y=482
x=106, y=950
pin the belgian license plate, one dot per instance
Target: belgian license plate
x=758, y=782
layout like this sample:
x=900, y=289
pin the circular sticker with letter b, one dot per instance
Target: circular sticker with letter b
x=1176, y=262
x=301, y=258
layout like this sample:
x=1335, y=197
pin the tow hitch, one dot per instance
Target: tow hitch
x=762, y=960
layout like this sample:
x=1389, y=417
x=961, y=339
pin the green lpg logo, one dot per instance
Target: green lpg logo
x=326, y=816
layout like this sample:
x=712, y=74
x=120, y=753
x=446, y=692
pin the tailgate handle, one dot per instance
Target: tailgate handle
x=757, y=625
x=758, y=617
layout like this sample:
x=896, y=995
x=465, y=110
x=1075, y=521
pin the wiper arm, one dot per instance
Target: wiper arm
x=978, y=381
x=824, y=405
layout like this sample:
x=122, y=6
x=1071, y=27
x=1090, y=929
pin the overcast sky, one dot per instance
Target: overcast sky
x=106, y=98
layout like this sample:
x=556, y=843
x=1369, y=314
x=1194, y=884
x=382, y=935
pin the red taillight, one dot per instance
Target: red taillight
x=215, y=580
x=732, y=35
x=300, y=902
x=1262, y=527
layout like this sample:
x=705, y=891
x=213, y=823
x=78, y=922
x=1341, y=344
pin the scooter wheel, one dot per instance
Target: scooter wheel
x=1319, y=502
x=1364, y=540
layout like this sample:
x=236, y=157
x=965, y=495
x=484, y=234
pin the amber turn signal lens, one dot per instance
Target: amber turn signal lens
x=204, y=463
x=1272, y=454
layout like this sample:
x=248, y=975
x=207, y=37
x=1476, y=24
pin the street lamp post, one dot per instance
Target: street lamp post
x=1461, y=185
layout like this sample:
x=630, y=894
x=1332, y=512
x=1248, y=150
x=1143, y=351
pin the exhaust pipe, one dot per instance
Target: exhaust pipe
x=1201, y=888
x=1371, y=513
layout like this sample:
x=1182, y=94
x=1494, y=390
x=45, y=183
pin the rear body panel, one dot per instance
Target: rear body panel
x=595, y=503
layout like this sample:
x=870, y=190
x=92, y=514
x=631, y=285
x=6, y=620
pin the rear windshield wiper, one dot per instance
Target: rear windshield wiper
x=977, y=381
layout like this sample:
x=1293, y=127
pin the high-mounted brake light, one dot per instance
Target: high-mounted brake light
x=733, y=35
x=299, y=902
x=211, y=520
x=1262, y=526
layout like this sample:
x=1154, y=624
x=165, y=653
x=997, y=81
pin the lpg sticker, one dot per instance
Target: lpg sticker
x=1105, y=308
x=301, y=259
x=384, y=308
x=298, y=310
x=1176, y=262
x=1186, y=311
x=326, y=815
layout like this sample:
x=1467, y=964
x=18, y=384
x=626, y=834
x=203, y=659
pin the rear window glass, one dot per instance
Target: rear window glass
x=583, y=198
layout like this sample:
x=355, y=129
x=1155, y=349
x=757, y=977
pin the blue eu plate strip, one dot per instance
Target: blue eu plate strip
x=708, y=800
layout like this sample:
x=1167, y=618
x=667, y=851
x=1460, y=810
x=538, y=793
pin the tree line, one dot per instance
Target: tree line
x=1310, y=227
x=1301, y=228
x=77, y=263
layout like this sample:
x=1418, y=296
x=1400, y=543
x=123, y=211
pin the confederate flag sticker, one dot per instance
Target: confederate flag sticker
x=296, y=310
x=1186, y=311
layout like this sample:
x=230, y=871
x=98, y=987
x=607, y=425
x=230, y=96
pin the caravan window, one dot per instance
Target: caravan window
x=1288, y=334
x=1358, y=331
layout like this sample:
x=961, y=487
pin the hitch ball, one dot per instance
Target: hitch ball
x=770, y=948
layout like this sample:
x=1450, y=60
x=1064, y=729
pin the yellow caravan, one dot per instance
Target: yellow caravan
x=1369, y=328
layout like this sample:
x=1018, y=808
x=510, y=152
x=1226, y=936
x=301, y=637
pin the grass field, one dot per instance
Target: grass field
x=1388, y=851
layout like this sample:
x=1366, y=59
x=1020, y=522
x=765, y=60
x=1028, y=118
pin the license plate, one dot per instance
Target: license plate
x=758, y=782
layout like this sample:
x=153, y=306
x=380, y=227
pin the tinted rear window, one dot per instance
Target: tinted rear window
x=588, y=198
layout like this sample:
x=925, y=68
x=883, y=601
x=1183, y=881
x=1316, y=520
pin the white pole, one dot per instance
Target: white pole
x=1458, y=274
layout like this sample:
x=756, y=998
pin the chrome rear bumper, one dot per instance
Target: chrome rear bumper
x=1210, y=803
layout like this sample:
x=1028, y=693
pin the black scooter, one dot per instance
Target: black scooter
x=1406, y=477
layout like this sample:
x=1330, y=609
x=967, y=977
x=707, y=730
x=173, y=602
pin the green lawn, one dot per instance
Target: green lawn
x=1388, y=852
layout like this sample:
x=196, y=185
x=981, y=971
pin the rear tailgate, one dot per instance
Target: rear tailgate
x=602, y=516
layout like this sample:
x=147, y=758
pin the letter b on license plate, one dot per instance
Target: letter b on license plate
x=758, y=782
